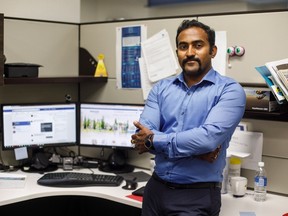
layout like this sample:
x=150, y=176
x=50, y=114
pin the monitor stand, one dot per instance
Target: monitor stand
x=40, y=163
x=116, y=163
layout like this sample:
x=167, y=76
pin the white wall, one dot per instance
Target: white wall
x=99, y=10
x=56, y=10
x=77, y=11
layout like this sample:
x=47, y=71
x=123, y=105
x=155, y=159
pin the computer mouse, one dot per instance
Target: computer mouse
x=130, y=185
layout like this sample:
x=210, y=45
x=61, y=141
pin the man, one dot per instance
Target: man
x=187, y=123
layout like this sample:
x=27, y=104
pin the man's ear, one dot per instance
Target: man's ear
x=214, y=51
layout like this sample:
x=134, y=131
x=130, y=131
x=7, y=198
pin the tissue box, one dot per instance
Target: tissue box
x=260, y=99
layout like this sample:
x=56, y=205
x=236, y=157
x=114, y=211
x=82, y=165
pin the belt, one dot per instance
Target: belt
x=197, y=185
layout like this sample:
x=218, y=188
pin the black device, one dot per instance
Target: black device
x=109, y=125
x=78, y=179
x=130, y=184
x=21, y=70
x=37, y=126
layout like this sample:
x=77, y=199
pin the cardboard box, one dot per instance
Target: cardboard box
x=260, y=99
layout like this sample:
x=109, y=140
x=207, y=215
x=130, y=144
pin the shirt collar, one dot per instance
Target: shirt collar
x=209, y=77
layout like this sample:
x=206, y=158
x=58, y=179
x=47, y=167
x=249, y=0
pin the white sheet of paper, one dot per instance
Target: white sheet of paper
x=159, y=56
x=219, y=61
x=21, y=153
x=145, y=82
x=248, y=146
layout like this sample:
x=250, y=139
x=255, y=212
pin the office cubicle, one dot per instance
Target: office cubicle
x=263, y=35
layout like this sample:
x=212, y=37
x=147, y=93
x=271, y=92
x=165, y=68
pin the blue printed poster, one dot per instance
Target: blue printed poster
x=129, y=51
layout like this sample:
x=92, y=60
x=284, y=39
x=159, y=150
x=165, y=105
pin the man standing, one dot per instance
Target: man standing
x=187, y=122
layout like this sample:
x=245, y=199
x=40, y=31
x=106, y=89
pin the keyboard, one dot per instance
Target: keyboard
x=76, y=179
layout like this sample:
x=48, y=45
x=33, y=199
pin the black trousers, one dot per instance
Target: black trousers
x=162, y=200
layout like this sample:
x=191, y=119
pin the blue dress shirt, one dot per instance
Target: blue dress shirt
x=191, y=121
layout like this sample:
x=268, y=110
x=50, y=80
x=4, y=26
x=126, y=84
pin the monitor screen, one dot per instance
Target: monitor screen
x=38, y=125
x=108, y=125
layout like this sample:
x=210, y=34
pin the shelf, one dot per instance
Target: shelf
x=270, y=116
x=53, y=80
x=281, y=115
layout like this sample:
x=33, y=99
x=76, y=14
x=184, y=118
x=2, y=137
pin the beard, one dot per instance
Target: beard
x=197, y=73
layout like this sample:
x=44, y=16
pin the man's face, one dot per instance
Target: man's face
x=193, y=51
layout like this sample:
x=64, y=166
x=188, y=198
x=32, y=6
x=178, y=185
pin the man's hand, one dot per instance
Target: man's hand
x=210, y=156
x=139, y=138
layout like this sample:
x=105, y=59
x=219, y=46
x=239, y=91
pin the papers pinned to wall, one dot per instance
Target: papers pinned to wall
x=248, y=146
x=219, y=62
x=159, y=56
x=145, y=82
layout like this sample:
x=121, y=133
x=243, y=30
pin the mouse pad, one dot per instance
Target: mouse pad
x=139, y=191
x=139, y=176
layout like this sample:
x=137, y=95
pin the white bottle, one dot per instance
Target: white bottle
x=234, y=169
x=260, y=183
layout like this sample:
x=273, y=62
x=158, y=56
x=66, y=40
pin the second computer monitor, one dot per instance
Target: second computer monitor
x=108, y=125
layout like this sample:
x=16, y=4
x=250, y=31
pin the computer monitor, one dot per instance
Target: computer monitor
x=108, y=125
x=36, y=126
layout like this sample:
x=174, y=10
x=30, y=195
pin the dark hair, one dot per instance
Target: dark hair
x=194, y=23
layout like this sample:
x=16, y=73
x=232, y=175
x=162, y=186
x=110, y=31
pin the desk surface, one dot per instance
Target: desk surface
x=274, y=205
x=33, y=190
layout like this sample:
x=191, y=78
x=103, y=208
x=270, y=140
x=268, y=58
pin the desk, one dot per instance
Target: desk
x=274, y=205
x=32, y=190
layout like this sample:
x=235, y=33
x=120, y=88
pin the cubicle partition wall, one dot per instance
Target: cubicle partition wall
x=101, y=38
x=1, y=46
x=263, y=35
x=52, y=45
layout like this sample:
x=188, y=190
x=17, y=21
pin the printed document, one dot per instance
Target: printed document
x=159, y=56
x=145, y=82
